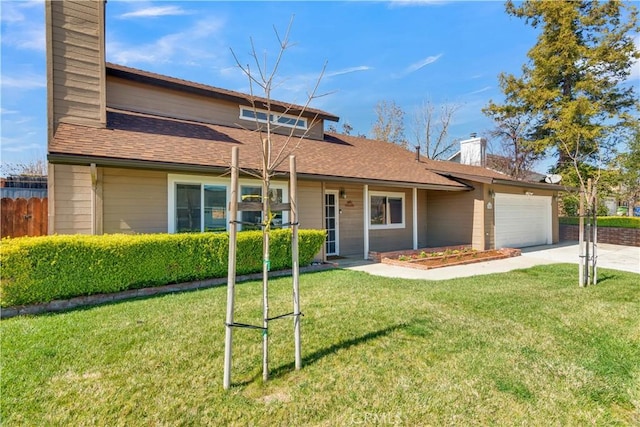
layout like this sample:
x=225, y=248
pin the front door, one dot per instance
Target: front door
x=331, y=210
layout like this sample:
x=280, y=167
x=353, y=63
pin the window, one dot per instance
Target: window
x=251, y=193
x=189, y=215
x=187, y=208
x=386, y=210
x=286, y=120
x=201, y=203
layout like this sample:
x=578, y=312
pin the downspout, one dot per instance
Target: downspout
x=366, y=220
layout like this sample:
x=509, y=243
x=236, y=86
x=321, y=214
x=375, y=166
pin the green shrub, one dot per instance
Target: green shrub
x=607, y=221
x=42, y=269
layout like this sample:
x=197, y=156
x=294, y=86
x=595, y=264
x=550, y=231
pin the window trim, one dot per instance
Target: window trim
x=393, y=195
x=174, y=179
x=274, y=118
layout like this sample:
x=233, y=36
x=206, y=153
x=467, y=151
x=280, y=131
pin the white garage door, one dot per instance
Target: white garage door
x=522, y=220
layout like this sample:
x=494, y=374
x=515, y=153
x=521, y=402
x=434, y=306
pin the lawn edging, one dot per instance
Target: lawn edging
x=99, y=299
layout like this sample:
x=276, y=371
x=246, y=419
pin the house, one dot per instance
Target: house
x=132, y=151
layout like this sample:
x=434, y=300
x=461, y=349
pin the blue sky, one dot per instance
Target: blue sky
x=443, y=52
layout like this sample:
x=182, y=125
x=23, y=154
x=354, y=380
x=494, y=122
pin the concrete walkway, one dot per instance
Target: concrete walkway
x=626, y=258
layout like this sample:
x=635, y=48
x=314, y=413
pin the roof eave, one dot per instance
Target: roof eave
x=75, y=159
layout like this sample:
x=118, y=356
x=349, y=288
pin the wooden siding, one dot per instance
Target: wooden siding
x=134, y=201
x=451, y=219
x=396, y=238
x=75, y=62
x=350, y=220
x=72, y=199
x=310, y=205
x=423, y=230
x=134, y=96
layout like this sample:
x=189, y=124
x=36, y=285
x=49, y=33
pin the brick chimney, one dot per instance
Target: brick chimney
x=473, y=151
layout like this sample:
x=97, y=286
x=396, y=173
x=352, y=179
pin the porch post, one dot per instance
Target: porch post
x=415, y=218
x=365, y=204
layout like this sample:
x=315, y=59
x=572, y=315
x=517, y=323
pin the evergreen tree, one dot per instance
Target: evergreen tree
x=574, y=84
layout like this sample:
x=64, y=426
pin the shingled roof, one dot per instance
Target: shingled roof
x=141, y=140
x=160, y=80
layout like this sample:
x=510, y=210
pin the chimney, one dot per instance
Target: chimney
x=417, y=153
x=76, y=79
x=473, y=151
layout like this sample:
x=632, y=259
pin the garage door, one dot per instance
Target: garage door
x=522, y=220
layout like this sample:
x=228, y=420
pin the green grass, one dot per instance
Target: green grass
x=526, y=347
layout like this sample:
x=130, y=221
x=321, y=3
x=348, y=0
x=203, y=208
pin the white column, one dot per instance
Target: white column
x=365, y=203
x=415, y=218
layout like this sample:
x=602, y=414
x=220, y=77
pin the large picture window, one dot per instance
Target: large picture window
x=201, y=203
x=386, y=210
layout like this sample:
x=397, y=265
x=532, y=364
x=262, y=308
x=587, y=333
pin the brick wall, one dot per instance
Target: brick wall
x=612, y=235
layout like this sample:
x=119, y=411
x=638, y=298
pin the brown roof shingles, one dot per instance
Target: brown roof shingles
x=140, y=137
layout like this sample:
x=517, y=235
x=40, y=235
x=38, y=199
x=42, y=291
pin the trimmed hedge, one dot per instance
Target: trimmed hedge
x=606, y=221
x=42, y=269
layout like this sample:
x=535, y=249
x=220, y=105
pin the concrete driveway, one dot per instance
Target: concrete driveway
x=626, y=258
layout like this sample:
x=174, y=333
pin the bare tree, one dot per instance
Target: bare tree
x=389, y=124
x=516, y=155
x=346, y=128
x=431, y=129
x=262, y=78
x=35, y=167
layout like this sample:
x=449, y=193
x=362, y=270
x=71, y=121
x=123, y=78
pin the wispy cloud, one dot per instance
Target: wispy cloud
x=24, y=25
x=484, y=89
x=421, y=64
x=4, y=111
x=25, y=82
x=152, y=12
x=193, y=44
x=348, y=71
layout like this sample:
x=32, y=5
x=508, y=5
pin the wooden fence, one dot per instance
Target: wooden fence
x=23, y=217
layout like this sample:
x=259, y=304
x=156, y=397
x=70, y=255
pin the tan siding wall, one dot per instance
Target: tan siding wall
x=76, y=64
x=423, y=230
x=350, y=220
x=489, y=219
x=397, y=238
x=450, y=217
x=555, y=230
x=134, y=201
x=72, y=199
x=310, y=203
x=126, y=95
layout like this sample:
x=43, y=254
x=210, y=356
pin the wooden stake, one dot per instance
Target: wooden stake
x=265, y=279
x=581, y=277
x=293, y=196
x=231, y=272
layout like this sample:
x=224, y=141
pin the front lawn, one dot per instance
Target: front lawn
x=526, y=347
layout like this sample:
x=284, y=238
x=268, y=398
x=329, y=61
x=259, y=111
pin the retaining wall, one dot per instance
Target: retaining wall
x=612, y=235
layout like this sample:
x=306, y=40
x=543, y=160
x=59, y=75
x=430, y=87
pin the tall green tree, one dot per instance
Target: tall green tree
x=575, y=88
x=574, y=84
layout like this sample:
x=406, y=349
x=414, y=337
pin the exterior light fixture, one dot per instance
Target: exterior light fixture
x=343, y=193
